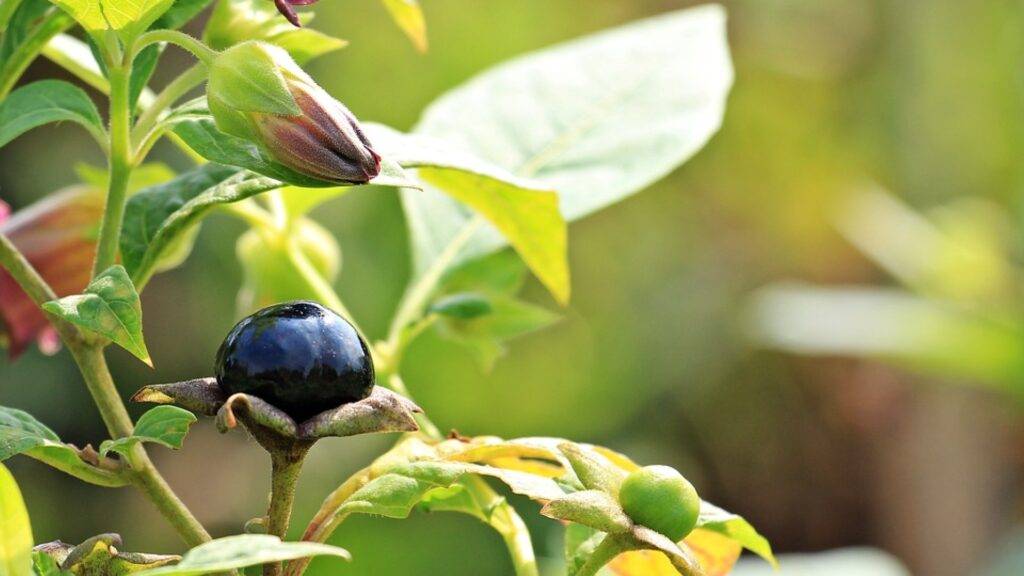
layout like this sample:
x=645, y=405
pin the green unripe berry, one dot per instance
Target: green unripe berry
x=659, y=498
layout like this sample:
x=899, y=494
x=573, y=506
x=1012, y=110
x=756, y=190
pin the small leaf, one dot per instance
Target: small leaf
x=593, y=508
x=715, y=519
x=44, y=564
x=200, y=395
x=15, y=530
x=104, y=555
x=165, y=425
x=234, y=552
x=409, y=17
x=20, y=433
x=159, y=218
x=109, y=307
x=463, y=306
x=47, y=101
x=593, y=470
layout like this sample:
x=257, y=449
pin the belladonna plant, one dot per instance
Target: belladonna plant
x=488, y=180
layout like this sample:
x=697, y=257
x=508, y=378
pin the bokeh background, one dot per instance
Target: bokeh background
x=899, y=446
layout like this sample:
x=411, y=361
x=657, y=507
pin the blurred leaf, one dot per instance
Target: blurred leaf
x=409, y=17
x=714, y=519
x=462, y=306
x=159, y=218
x=142, y=71
x=47, y=101
x=486, y=335
x=202, y=135
x=234, y=21
x=143, y=176
x=109, y=307
x=75, y=56
x=20, y=433
x=502, y=272
x=180, y=13
x=165, y=425
x=580, y=543
x=525, y=213
x=45, y=565
x=270, y=274
x=596, y=119
x=938, y=337
x=716, y=553
x=15, y=530
x=233, y=552
x=19, y=24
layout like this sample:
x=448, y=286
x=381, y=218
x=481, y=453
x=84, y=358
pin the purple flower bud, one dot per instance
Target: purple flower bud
x=325, y=142
x=285, y=7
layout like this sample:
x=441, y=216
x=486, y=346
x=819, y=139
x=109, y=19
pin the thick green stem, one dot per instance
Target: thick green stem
x=53, y=23
x=285, y=476
x=198, y=49
x=605, y=552
x=120, y=164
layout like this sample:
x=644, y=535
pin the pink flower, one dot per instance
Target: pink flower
x=58, y=236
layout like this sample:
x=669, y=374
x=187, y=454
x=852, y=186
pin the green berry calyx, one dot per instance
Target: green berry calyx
x=659, y=498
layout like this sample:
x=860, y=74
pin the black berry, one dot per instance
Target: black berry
x=299, y=356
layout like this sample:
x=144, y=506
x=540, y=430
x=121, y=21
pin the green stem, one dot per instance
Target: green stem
x=173, y=92
x=198, y=49
x=120, y=164
x=52, y=24
x=7, y=9
x=284, y=478
x=605, y=552
x=506, y=521
x=317, y=284
x=96, y=374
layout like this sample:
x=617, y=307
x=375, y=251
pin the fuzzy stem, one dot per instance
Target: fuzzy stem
x=120, y=165
x=605, y=552
x=52, y=24
x=198, y=49
x=284, y=478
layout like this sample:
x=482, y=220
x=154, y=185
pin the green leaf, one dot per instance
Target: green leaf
x=305, y=44
x=485, y=336
x=180, y=13
x=166, y=425
x=580, y=543
x=235, y=21
x=593, y=508
x=127, y=17
x=109, y=307
x=158, y=219
x=45, y=565
x=21, y=19
x=234, y=552
x=202, y=135
x=409, y=17
x=463, y=306
x=142, y=70
x=594, y=471
x=104, y=555
x=524, y=212
x=596, y=119
x=44, y=102
x=20, y=433
x=15, y=530
x=736, y=528
x=144, y=176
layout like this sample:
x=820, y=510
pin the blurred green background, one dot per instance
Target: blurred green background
x=654, y=356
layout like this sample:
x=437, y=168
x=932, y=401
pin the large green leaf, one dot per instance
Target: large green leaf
x=20, y=433
x=165, y=425
x=160, y=218
x=15, y=530
x=233, y=552
x=596, y=119
x=202, y=135
x=44, y=102
x=127, y=17
x=525, y=213
x=109, y=307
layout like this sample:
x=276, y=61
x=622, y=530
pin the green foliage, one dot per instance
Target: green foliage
x=20, y=433
x=236, y=21
x=45, y=102
x=235, y=552
x=128, y=18
x=101, y=555
x=165, y=425
x=159, y=218
x=15, y=530
x=409, y=17
x=109, y=307
x=463, y=306
x=596, y=119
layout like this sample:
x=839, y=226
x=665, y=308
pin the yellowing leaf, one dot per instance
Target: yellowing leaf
x=409, y=17
x=717, y=555
x=130, y=17
x=15, y=530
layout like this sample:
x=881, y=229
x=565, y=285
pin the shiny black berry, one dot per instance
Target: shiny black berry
x=299, y=357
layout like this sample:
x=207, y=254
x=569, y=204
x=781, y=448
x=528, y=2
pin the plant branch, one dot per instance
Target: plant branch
x=173, y=92
x=285, y=476
x=605, y=552
x=198, y=49
x=52, y=24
